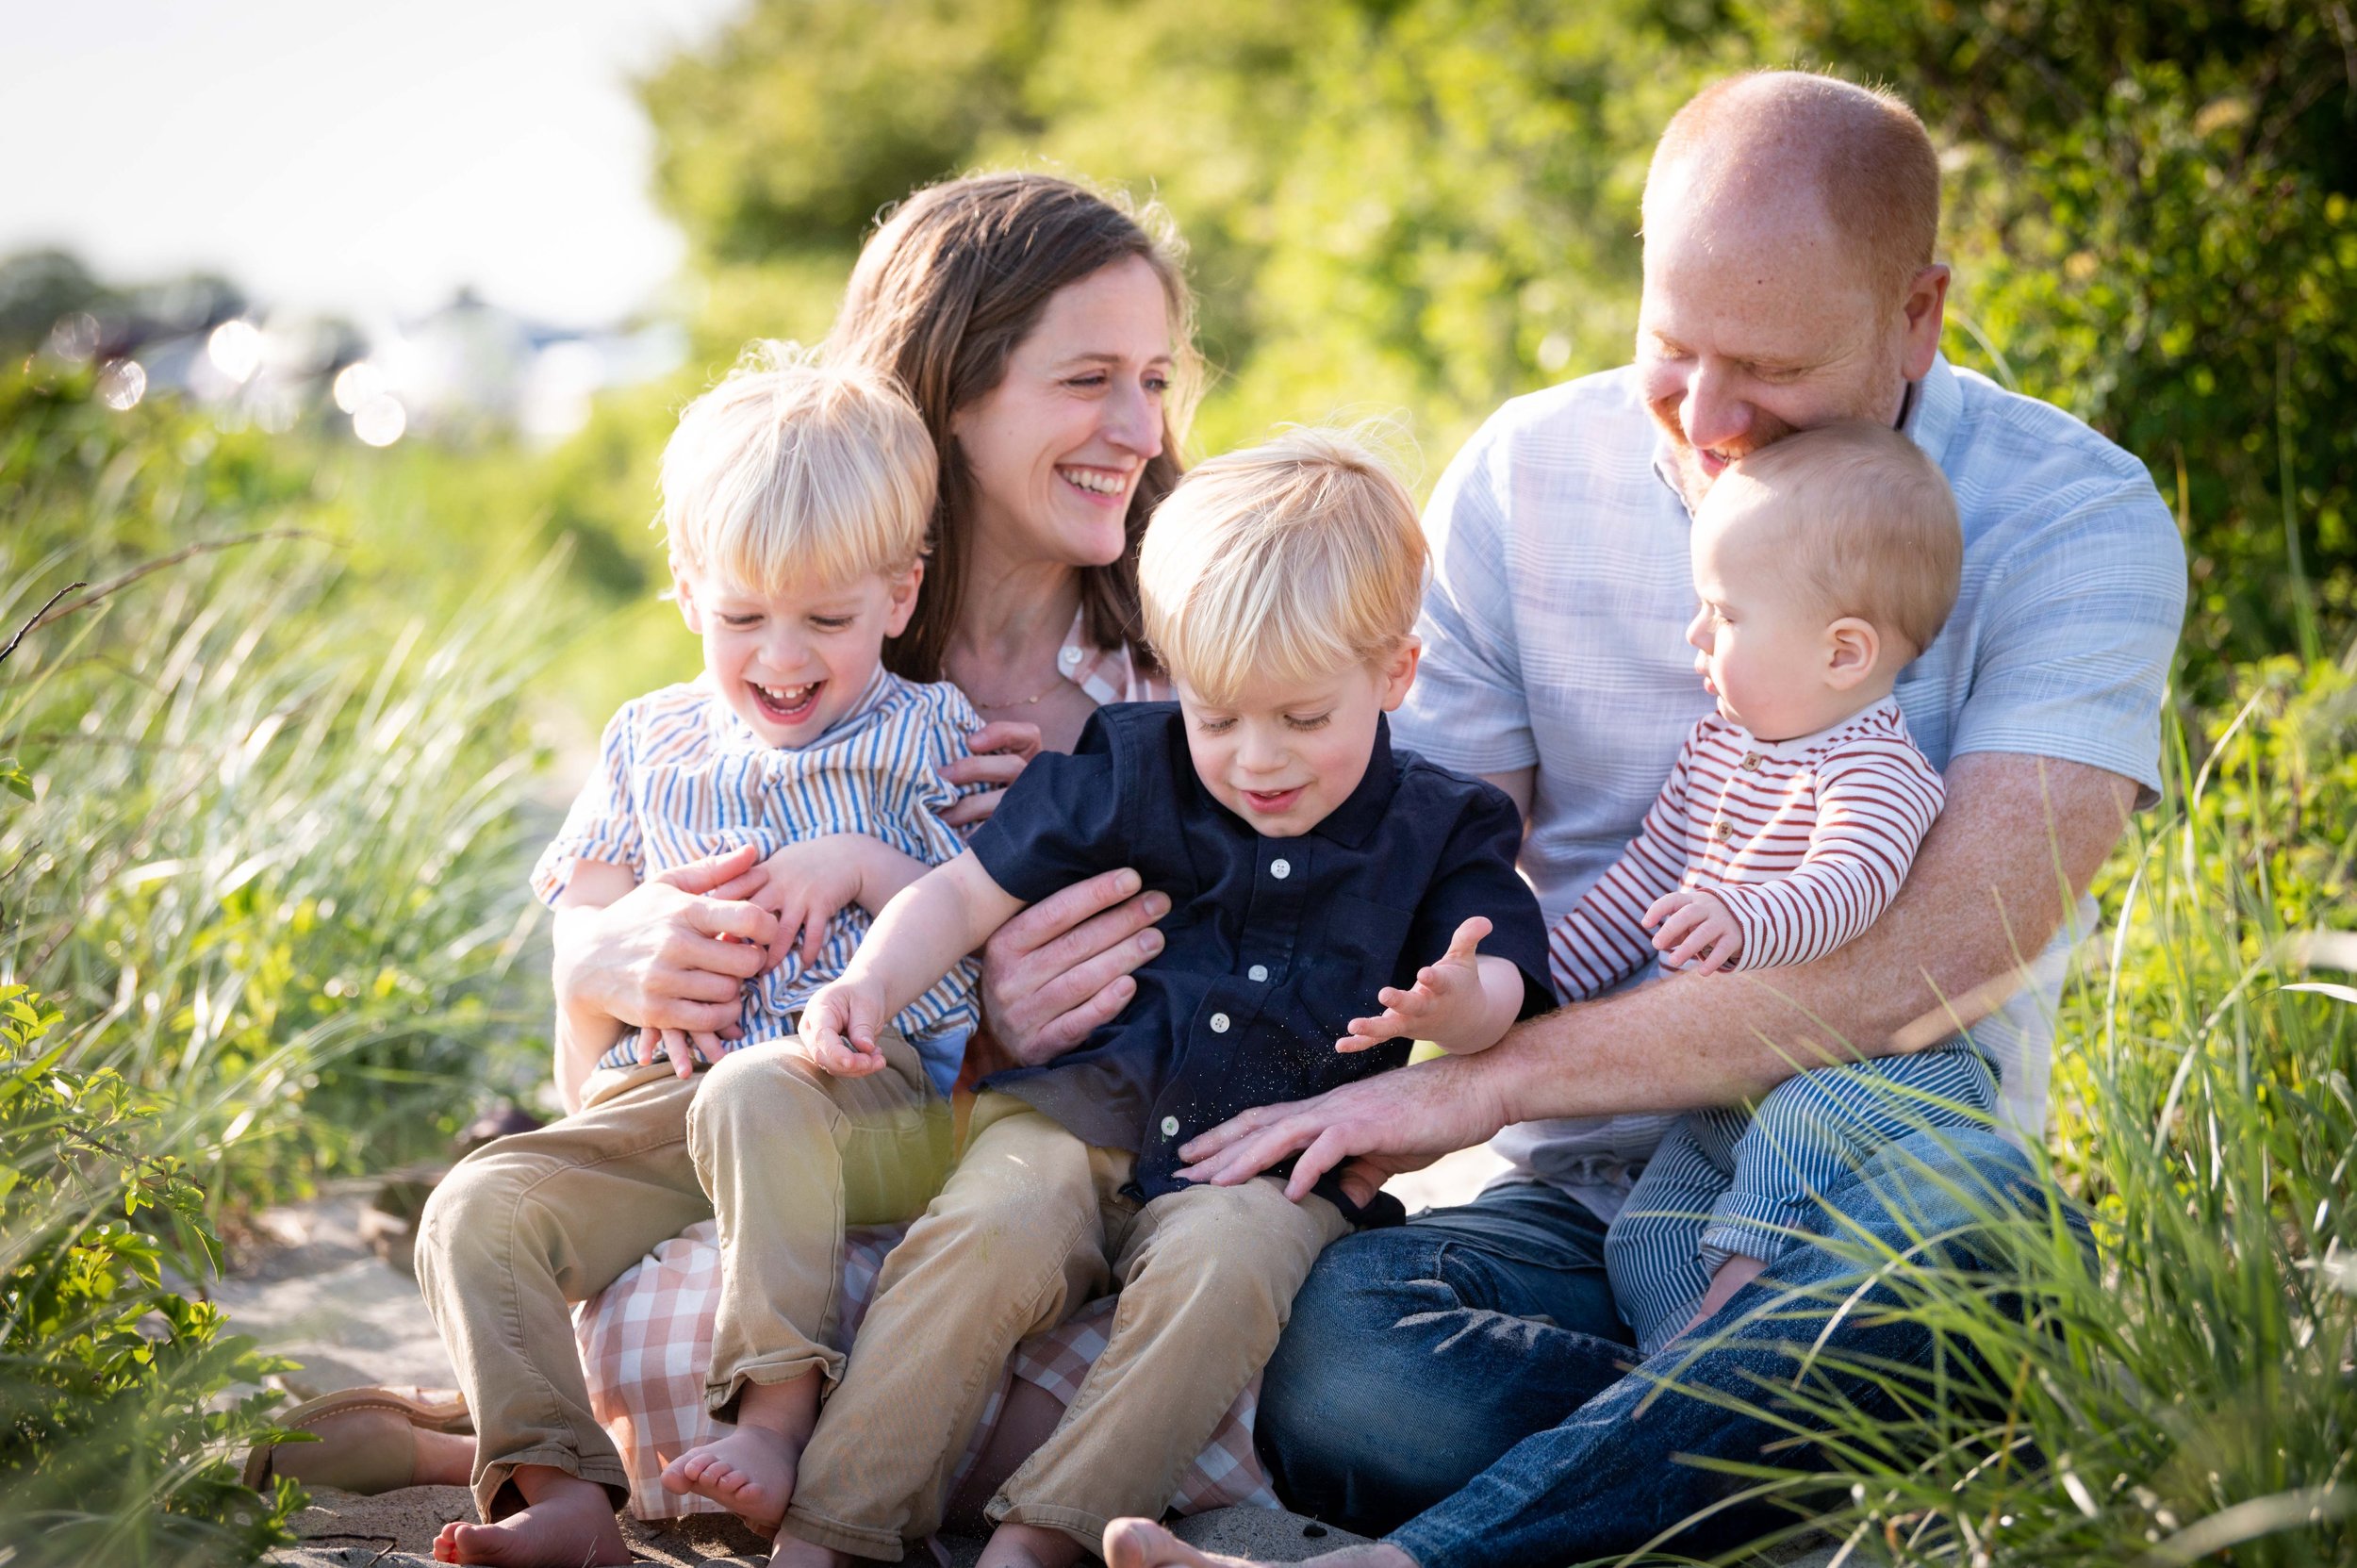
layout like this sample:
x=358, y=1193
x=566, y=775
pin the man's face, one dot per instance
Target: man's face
x=1758, y=320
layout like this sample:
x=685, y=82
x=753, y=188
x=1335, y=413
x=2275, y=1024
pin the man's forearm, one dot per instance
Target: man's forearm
x=2021, y=837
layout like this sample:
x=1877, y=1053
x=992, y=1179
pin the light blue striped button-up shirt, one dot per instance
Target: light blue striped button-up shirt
x=679, y=777
x=1555, y=637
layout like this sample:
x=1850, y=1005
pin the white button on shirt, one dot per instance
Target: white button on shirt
x=1219, y=1023
x=1257, y=971
x=1170, y=1127
x=1280, y=869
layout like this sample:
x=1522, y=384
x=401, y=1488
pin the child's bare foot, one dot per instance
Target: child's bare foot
x=1014, y=1545
x=567, y=1523
x=747, y=1470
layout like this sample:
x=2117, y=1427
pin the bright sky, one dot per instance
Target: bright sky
x=362, y=158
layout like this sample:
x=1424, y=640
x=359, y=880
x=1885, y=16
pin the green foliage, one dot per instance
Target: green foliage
x=273, y=863
x=119, y=1430
x=1431, y=206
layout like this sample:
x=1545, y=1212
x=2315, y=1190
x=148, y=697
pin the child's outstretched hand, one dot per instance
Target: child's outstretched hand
x=1447, y=993
x=838, y=1030
x=1696, y=929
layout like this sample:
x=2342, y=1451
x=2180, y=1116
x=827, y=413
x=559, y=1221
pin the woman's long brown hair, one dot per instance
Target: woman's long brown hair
x=954, y=279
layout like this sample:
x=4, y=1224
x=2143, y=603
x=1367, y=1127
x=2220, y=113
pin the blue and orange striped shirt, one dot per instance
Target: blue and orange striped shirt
x=679, y=777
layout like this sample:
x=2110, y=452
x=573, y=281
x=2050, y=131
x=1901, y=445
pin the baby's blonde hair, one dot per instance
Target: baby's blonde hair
x=1288, y=561
x=1862, y=518
x=792, y=471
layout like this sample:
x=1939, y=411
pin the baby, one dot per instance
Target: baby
x=796, y=500
x=1824, y=563
x=1313, y=871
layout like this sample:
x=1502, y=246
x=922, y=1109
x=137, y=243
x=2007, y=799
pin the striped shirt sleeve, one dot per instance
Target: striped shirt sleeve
x=1601, y=941
x=1875, y=800
x=603, y=824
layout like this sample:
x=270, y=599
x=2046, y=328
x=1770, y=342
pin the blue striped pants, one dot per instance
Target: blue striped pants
x=1724, y=1182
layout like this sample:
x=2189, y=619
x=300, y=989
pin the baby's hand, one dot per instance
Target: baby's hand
x=1445, y=994
x=838, y=1029
x=1696, y=929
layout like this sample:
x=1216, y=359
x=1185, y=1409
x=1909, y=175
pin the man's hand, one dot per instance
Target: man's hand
x=839, y=1027
x=1400, y=1121
x=1001, y=750
x=1062, y=967
x=1446, y=1001
x=1696, y=929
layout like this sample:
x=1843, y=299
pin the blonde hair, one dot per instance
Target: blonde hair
x=1861, y=518
x=1862, y=150
x=1287, y=561
x=792, y=471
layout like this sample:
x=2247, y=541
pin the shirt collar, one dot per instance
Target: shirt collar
x=1929, y=416
x=1349, y=823
x=730, y=734
x=1801, y=746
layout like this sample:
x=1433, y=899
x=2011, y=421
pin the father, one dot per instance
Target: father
x=1468, y=1369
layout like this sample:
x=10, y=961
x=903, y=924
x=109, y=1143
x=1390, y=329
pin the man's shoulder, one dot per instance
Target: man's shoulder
x=2009, y=440
x=1587, y=416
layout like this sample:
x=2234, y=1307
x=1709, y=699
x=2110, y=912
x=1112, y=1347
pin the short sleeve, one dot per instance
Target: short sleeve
x=1475, y=875
x=1061, y=821
x=1467, y=709
x=2080, y=623
x=603, y=824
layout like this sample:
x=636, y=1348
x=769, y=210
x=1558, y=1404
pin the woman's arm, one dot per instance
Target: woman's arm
x=650, y=954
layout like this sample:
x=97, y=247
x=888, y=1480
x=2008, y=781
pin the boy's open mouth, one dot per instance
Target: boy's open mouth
x=1273, y=803
x=786, y=704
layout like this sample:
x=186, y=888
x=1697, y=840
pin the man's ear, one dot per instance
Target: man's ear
x=1399, y=672
x=1926, y=310
x=1851, y=647
x=902, y=603
x=684, y=594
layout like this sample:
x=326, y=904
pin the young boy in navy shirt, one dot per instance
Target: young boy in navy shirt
x=1329, y=901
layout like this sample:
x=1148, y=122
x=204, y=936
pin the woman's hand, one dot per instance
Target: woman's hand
x=669, y=955
x=1062, y=967
x=1002, y=751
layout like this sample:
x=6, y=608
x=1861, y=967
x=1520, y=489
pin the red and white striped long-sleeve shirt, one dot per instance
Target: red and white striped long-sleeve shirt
x=1805, y=841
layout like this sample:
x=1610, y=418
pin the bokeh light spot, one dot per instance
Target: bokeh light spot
x=356, y=383
x=122, y=384
x=236, y=350
x=380, y=420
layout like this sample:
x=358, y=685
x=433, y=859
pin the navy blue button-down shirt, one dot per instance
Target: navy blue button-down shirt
x=1271, y=947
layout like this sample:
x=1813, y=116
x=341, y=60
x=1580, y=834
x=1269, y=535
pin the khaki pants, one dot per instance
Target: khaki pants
x=782, y=1154
x=1031, y=1225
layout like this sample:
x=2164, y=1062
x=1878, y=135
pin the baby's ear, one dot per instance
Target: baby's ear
x=1852, y=648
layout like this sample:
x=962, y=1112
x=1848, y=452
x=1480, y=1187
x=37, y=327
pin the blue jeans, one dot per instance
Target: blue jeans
x=1463, y=1383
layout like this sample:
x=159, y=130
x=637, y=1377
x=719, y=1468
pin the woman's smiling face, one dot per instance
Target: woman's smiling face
x=1056, y=448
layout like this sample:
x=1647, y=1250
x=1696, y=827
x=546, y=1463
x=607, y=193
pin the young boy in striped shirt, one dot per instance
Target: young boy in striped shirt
x=1824, y=564
x=796, y=500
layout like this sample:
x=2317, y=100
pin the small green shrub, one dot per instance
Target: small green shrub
x=119, y=1442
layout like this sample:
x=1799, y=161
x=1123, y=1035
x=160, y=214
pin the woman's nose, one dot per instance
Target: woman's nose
x=1134, y=422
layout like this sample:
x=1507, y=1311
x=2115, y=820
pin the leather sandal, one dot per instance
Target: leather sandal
x=367, y=1439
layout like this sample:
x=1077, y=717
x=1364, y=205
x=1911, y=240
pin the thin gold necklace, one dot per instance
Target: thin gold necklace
x=1032, y=701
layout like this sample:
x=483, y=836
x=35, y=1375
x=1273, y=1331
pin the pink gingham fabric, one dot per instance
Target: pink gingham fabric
x=646, y=1341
